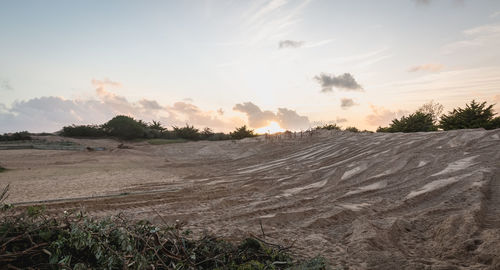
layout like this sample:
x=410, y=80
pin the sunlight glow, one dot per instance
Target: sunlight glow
x=272, y=128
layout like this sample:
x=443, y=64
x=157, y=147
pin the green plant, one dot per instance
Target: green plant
x=16, y=136
x=76, y=241
x=329, y=127
x=474, y=115
x=83, y=131
x=2, y=169
x=242, y=132
x=188, y=132
x=415, y=122
x=352, y=129
x=124, y=127
x=206, y=133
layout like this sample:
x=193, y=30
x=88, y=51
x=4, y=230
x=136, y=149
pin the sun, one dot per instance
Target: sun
x=272, y=128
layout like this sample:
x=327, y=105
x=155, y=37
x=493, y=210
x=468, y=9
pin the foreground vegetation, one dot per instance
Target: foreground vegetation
x=34, y=240
x=79, y=242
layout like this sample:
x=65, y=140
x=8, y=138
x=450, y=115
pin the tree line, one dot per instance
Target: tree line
x=128, y=128
x=429, y=117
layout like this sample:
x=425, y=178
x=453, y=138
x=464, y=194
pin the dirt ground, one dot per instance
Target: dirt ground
x=366, y=201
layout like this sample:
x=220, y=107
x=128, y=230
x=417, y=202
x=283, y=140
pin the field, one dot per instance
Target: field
x=367, y=201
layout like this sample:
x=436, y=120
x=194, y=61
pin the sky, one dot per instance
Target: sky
x=223, y=64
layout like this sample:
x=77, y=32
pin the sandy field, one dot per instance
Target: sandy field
x=365, y=201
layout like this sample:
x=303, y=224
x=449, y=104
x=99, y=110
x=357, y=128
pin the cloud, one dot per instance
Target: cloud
x=291, y=120
x=195, y=116
x=340, y=120
x=286, y=118
x=256, y=117
x=52, y=113
x=105, y=82
x=381, y=116
x=346, y=103
x=344, y=82
x=290, y=44
x=220, y=111
x=479, y=37
x=495, y=14
x=5, y=85
x=427, y=67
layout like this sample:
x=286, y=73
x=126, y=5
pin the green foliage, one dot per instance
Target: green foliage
x=474, y=115
x=188, y=132
x=415, y=122
x=219, y=136
x=329, y=127
x=83, y=131
x=2, y=169
x=435, y=109
x=242, y=132
x=80, y=242
x=206, y=133
x=352, y=129
x=124, y=127
x=17, y=136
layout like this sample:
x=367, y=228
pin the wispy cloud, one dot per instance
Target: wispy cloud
x=481, y=36
x=290, y=44
x=495, y=14
x=430, y=67
x=344, y=82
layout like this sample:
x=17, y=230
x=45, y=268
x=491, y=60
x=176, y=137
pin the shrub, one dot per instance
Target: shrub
x=206, y=133
x=474, y=115
x=188, y=132
x=2, y=169
x=415, y=122
x=124, y=127
x=352, y=129
x=329, y=127
x=242, y=132
x=16, y=136
x=79, y=242
x=219, y=136
x=83, y=131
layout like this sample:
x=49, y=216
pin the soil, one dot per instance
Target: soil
x=363, y=201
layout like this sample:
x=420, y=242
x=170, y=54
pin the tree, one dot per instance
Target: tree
x=242, y=132
x=415, y=122
x=206, y=133
x=188, y=132
x=474, y=115
x=433, y=108
x=156, y=125
x=352, y=129
x=124, y=127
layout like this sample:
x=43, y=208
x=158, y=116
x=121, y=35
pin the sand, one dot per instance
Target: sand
x=366, y=201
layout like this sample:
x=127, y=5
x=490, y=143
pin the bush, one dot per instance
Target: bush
x=188, y=132
x=416, y=122
x=2, y=169
x=329, y=127
x=125, y=127
x=241, y=132
x=352, y=129
x=83, y=131
x=206, y=133
x=474, y=115
x=79, y=242
x=219, y=136
x=17, y=136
